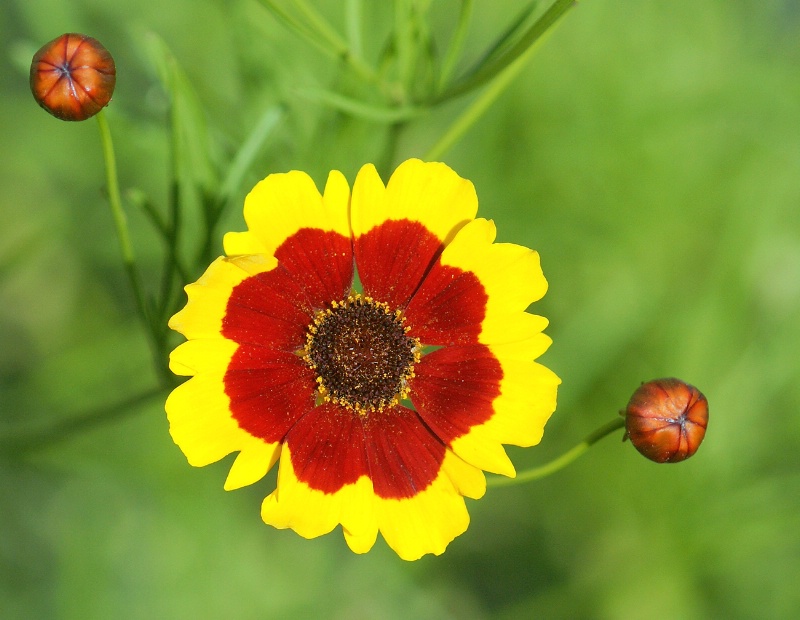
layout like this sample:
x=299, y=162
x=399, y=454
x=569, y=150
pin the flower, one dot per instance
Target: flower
x=384, y=405
x=666, y=420
x=73, y=77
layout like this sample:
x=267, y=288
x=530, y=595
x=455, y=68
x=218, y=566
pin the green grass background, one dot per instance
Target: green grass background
x=650, y=152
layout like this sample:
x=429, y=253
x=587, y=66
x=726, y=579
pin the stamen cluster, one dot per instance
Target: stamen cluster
x=361, y=353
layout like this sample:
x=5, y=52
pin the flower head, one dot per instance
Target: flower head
x=73, y=77
x=666, y=420
x=383, y=404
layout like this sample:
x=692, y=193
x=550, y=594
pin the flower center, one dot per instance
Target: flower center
x=361, y=354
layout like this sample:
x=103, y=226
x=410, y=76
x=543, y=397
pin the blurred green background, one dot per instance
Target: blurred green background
x=650, y=152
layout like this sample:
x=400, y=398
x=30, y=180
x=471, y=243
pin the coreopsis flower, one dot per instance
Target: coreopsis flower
x=375, y=343
x=73, y=77
x=666, y=420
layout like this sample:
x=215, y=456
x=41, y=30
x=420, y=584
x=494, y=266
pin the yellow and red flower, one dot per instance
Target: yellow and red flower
x=384, y=403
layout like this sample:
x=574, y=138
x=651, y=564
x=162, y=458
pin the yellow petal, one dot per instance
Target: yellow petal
x=527, y=400
x=429, y=521
x=196, y=356
x=312, y=513
x=413, y=527
x=208, y=297
x=202, y=427
x=480, y=449
x=283, y=204
x=511, y=277
x=428, y=193
x=252, y=464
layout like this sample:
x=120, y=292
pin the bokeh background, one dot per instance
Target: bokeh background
x=650, y=151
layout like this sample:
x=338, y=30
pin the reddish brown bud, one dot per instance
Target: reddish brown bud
x=73, y=77
x=666, y=420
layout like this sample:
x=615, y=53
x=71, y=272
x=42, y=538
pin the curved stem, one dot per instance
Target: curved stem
x=477, y=108
x=316, y=30
x=456, y=43
x=36, y=438
x=487, y=72
x=386, y=160
x=120, y=221
x=353, y=18
x=121, y=225
x=337, y=43
x=562, y=461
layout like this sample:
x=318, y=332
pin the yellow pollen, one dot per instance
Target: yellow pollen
x=361, y=354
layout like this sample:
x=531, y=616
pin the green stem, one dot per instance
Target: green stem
x=289, y=20
x=456, y=43
x=361, y=109
x=34, y=439
x=404, y=47
x=509, y=37
x=318, y=31
x=157, y=220
x=477, y=108
x=487, y=71
x=560, y=462
x=353, y=19
x=121, y=225
x=500, y=74
x=120, y=221
x=384, y=164
x=174, y=206
x=323, y=28
x=248, y=152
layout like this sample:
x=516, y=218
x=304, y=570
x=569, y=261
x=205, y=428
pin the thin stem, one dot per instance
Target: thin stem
x=477, y=108
x=238, y=168
x=287, y=18
x=404, y=46
x=34, y=439
x=508, y=37
x=487, y=71
x=318, y=31
x=120, y=221
x=389, y=150
x=562, y=461
x=456, y=43
x=173, y=224
x=354, y=10
x=171, y=258
x=361, y=109
x=248, y=152
x=305, y=31
x=141, y=201
x=121, y=225
x=318, y=23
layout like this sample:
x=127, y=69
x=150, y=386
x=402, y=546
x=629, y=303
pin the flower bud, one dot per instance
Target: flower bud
x=666, y=420
x=73, y=77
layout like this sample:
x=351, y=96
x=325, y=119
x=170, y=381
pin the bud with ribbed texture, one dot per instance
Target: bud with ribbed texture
x=666, y=420
x=73, y=77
